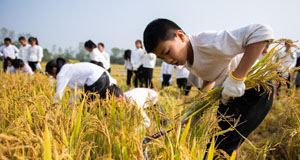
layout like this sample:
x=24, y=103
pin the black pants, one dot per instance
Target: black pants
x=138, y=79
x=251, y=109
x=32, y=65
x=4, y=64
x=166, y=78
x=147, y=75
x=181, y=83
x=129, y=75
x=98, y=87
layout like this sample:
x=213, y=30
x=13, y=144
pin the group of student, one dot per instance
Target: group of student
x=207, y=59
x=140, y=64
x=27, y=58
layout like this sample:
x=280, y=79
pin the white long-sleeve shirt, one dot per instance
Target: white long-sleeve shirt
x=24, y=52
x=25, y=69
x=80, y=73
x=182, y=72
x=10, y=51
x=136, y=58
x=143, y=98
x=97, y=56
x=35, y=54
x=149, y=60
x=215, y=51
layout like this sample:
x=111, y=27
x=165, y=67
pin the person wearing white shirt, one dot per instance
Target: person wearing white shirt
x=95, y=54
x=24, y=49
x=35, y=54
x=210, y=56
x=21, y=67
x=76, y=76
x=181, y=77
x=148, y=62
x=8, y=50
x=166, y=74
x=136, y=62
x=106, y=56
x=128, y=66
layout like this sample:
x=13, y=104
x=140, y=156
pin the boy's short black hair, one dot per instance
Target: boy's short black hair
x=159, y=30
x=18, y=63
x=112, y=90
x=101, y=44
x=22, y=38
x=7, y=39
x=90, y=44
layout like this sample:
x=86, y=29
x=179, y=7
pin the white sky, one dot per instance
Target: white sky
x=118, y=23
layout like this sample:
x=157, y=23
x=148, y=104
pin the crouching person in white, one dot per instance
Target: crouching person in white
x=90, y=76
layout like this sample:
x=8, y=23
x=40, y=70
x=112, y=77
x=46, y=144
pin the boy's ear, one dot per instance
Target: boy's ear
x=180, y=34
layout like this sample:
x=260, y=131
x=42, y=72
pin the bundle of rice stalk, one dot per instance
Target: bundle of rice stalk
x=266, y=70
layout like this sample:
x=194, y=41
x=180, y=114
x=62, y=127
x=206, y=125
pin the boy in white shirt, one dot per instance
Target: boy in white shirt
x=95, y=54
x=22, y=67
x=105, y=54
x=24, y=49
x=8, y=50
x=148, y=62
x=209, y=55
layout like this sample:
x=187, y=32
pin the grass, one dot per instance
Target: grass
x=32, y=126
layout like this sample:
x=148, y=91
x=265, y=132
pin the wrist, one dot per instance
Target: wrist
x=237, y=76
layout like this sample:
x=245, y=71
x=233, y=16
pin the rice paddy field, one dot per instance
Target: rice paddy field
x=34, y=126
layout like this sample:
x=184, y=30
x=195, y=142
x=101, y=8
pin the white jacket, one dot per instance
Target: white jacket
x=24, y=52
x=10, y=51
x=97, y=56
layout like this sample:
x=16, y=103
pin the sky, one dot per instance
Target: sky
x=118, y=23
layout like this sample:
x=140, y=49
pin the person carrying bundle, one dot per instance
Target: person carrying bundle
x=212, y=57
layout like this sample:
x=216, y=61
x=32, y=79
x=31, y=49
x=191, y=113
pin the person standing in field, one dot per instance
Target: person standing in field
x=136, y=62
x=128, y=66
x=8, y=50
x=95, y=54
x=35, y=54
x=166, y=74
x=210, y=56
x=181, y=77
x=148, y=62
x=24, y=49
x=106, y=56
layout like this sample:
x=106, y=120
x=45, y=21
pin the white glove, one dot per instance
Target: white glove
x=232, y=88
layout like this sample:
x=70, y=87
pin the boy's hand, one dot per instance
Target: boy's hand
x=233, y=87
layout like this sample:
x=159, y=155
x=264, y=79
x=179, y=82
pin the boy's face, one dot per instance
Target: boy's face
x=7, y=43
x=23, y=42
x=173, y=51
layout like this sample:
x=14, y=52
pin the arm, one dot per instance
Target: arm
x=40, y=54
x=251, y=54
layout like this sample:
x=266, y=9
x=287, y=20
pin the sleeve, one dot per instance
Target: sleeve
x=232, y=43
x=62, y=82
x=16, y=50
x=40, y=54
